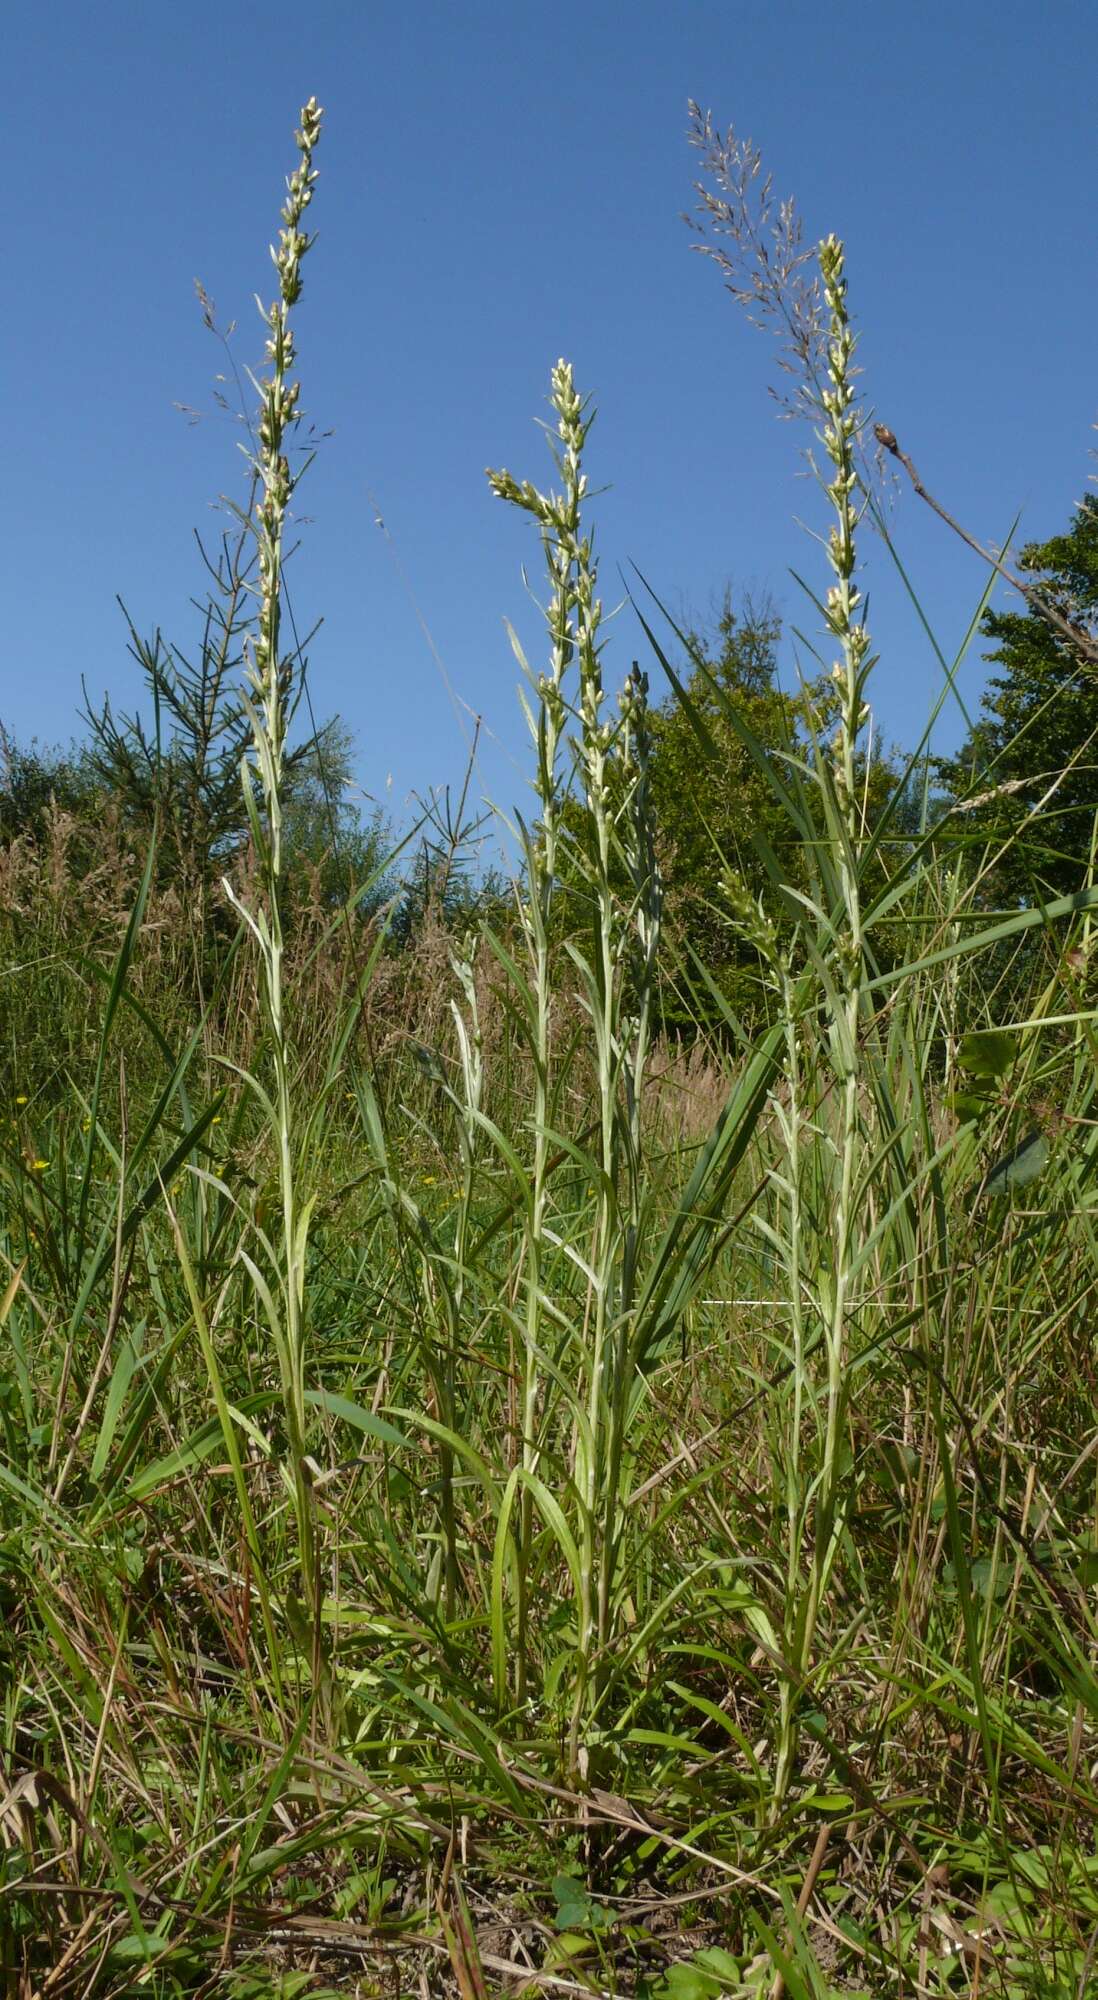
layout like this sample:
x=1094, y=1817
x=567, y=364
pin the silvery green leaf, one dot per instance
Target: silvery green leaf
x=1019, y=1168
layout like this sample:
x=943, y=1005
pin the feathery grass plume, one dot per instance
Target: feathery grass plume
x=758, y=245
x=267, y=704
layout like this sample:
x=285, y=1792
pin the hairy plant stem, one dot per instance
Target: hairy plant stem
x=846, y=1000
x=612, y=761
x=558, y=518
x=791, y=1121
x=470, y=1040
x=267, y=705
x=638, y=955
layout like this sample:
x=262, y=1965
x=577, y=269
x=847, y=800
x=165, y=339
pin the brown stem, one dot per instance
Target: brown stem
x=816, y=1862
x=1076, y=635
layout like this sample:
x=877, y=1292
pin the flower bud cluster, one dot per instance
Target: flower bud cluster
x=278, y=415
x=637, y=828
x=844, y=600
x=505, y=487
x=573, y=613
x=752, y=920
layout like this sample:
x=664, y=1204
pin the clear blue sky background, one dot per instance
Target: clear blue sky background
x=503, y=183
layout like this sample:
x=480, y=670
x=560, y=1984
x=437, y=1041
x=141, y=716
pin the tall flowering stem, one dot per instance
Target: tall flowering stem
x=602, y=1395
x=598, y=1439
x=267, y=701
x=850, y=673
x=558, y=516
x=632, y=996
x=608, y=836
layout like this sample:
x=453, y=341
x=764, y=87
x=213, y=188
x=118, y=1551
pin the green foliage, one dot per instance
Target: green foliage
x=444, y=886
x=710, y=810
x=333, y=844
x=173, y=769
x=34, y=777
x=1027, y=779
x=179, y=769
x=721, y=762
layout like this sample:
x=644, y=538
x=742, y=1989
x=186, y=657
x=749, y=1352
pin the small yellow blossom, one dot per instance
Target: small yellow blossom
x=39, y=1166
x=20, y=1100
x=429, y=1180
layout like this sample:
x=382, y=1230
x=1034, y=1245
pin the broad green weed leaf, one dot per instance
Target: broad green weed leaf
x=987, y=1052
x=969, y=1105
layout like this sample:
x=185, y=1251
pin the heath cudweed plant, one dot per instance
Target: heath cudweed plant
x=267, y=702
x=558, y=518
x=835, y=1269
x=733, y=1565
x=615, y=970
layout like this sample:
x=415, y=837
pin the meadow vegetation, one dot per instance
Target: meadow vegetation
x=547, y=1429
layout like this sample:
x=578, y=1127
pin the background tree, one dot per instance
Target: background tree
x=445, y=883
x=707, y=810
x=716, y=810
x=1027, y=777
x=36, y=776
x=335, y=839
x=176, y=765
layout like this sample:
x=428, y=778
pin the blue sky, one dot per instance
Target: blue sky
x=501, y=184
